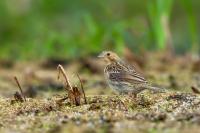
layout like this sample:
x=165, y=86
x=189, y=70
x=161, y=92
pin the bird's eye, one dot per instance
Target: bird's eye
x=108, y=54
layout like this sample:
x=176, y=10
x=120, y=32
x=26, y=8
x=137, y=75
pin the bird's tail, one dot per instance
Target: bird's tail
x=157, y=89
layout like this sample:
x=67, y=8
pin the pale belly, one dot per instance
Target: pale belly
x=123, y=88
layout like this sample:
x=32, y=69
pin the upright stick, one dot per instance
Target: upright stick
x=20, y=88
x=61, y=70
x=82, y=89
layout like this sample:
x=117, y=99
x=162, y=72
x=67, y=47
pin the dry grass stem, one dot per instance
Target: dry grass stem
x=20, y=88
x=61, y=70
x=82, y=89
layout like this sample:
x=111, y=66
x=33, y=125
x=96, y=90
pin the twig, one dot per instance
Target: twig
x=82, y=89
x=62, y=99
x=195, y=90
x=20, y=88
x=61, y=70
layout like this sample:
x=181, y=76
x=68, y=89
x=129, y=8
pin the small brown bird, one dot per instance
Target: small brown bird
x=123, y=77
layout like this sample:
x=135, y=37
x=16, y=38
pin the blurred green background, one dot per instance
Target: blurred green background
x=40, y=29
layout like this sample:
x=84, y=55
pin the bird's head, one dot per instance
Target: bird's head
x=109, y=56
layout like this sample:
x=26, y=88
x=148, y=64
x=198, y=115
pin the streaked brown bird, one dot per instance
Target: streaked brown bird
x=123, y=77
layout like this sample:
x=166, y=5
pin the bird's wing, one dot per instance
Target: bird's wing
x=126, y=73
x=134, y=78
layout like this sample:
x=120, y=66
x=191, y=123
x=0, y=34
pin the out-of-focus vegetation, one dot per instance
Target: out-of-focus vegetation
x=159, y=14
x=31, y=29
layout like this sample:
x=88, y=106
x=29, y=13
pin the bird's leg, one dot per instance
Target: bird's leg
x=132, y=95
x=119, y=97
x=135, y=95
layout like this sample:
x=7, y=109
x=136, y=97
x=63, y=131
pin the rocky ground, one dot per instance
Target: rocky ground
x=169, y=112
x=173, y=111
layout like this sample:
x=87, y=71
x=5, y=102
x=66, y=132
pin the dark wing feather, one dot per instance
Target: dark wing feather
x=125, y=73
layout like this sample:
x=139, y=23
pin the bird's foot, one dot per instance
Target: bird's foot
x=133, y=96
